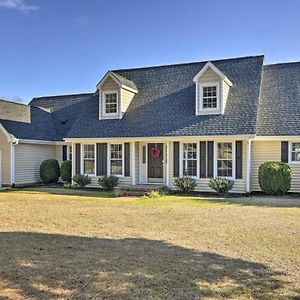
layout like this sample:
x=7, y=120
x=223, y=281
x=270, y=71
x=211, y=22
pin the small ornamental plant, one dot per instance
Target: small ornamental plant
x=185, y=184
x=82, y=180
x=221, y=185
x=274, y=178
x=108, y=183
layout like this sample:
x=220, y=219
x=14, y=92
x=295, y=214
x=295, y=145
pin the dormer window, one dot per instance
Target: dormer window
x=212, y=89
x=115, y=95
x=110, y=103
x=209, y=96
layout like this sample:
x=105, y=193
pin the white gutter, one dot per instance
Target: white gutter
x=277, y=138
x=41, y=142
x=161, y=138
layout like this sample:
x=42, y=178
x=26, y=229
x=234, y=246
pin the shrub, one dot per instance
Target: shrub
x=274, y=177
x=49, y=171
x=185, y=184
x=108, y=183
x=66, y=171
x=82, y=180
x=221, y=185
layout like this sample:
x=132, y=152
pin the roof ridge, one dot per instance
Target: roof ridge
x=282, y=64
x=187, y=63
x=64, y=95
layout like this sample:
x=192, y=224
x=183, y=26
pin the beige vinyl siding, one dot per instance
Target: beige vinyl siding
x=5, y=148
x=226, y=88
x=126, y=97
x=28, y=158
x=209, y=76
x=59, y=154
x=263, y=151
x=202, y=183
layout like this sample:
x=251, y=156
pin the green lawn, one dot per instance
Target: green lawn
x=56, y=244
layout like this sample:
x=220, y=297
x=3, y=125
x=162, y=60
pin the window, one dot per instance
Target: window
x=110, y=103
x=224, y=160
x=209, y=97
x=70, y=152
x=89, y=159
x=296, y=152
x=190, y=159
x=116, y=159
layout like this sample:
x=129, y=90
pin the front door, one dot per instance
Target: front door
x=155, y=162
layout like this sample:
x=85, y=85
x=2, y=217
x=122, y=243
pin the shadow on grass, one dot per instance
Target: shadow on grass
x=49, y=266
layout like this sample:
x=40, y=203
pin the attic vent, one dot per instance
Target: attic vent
x=64, y=122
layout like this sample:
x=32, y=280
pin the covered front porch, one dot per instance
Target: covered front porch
x=157, y=162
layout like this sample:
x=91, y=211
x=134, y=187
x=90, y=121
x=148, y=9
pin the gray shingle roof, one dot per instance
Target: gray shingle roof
x=64, y=109
x=165, y=103
x=279, y=109
x=27, y=122
x=124, y=81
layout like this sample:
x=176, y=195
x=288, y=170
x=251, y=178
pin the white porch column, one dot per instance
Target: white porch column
x=73, y=159
x=133, y=174
x=168, y=164
x=248, y=182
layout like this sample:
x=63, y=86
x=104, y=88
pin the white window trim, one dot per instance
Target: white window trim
x=109, y=160
x=209, y=84
x=104, y=103
x=181, y=154
x=82, y=159
x=290, y=153
x=216, y=160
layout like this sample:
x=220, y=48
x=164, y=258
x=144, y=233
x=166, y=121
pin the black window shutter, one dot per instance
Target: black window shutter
x=127, y=159
x=176, y=159
x=202, y=159
x=210, y=159
x=285, y=152
x=77, y=147
x=239, y=159
x=64, y=154
x=101, y=159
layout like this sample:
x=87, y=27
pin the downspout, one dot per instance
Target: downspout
x=249, y=161
x=14, y=142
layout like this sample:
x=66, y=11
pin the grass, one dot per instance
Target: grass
x=56, y=244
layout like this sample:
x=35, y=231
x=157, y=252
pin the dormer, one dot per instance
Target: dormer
x=212, y=88
x=115, y=95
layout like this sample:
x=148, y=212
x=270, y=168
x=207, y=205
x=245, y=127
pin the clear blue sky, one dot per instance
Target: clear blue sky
x=66, y=46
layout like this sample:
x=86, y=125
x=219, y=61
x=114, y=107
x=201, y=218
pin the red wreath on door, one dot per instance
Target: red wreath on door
x=155, y=152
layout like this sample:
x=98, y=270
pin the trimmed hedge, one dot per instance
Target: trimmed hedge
x=50, y=171
x=66, y=171
x=274, y=178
